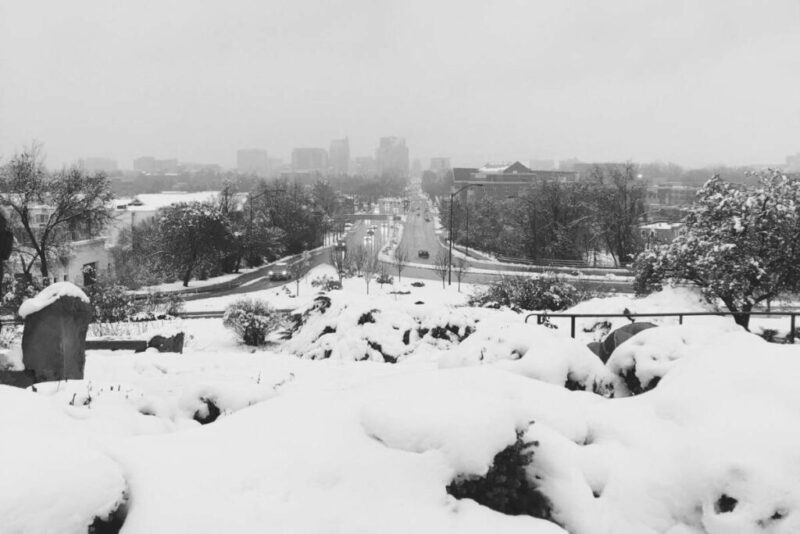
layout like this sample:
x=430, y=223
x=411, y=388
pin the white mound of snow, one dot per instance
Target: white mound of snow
x=533, y=351
x=52, y=478
x=650, y=354
x=49, y=295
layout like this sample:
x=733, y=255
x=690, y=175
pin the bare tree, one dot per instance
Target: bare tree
x=299, y=268
x=460, y=267
x=371, y=266
x=441, y=265
x=400, y=260
x=77, y=204
x=357, y=258
x=340, y=261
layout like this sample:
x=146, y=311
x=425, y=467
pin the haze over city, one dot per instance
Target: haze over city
x=693, y=83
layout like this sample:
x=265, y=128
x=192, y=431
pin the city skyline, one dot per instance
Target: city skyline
x=694, y=84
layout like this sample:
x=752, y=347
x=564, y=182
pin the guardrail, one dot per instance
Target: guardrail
x=541, y=318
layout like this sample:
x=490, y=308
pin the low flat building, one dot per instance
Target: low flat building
x=507, y=179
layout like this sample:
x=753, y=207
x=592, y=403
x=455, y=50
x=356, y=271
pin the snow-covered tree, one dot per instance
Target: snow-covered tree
x=741, y=246
x=49, y=210
x=189, y=235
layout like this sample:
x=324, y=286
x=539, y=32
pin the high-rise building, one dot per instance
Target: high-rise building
x=440, y=165
x=152, y=165
x=309, y=159
x=365, y=166
x=793, y=162
x=93, y=165
x=252, y=161
x=339, y=156
x=392, y=156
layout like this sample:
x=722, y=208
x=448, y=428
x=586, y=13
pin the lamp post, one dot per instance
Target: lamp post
x=450, y=253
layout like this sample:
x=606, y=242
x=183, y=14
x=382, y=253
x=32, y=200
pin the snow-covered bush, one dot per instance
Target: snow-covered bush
x=525, y=293
x=532, y=351
x=506, y=487
x=110, y=302
x=326, y=283
x=252, y=320
x=640, y=363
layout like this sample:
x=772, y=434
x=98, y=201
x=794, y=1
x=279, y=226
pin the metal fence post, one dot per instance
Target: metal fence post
x=572, y=326
x=680, y=318
x=791, y=328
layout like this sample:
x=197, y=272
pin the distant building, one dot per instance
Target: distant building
x=309, y=159
x=671, y=195
x=365, y=166
x=506, y=179
x=793, y=163
x=392, y=156
x=339, y=156
x=542, y=164
x=416, y=168
x=150, y=165
x=93, y=165
x=252, y=161
x=440, y=165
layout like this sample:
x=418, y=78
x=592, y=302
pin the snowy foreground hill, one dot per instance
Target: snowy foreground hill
x=362, y=420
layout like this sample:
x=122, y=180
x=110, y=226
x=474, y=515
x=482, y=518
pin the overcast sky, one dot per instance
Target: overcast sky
x=694, y=82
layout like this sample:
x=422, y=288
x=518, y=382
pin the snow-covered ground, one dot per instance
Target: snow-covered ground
x=362, y=419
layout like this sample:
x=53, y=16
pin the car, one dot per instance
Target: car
x=427, y=219
x=341, y=245
x=279, y=271
x=370, y=232
x=423, y=254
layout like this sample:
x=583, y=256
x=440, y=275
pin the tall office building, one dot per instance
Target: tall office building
x=252, y=161
x=392, y=156
x=339, y=156
x=309, y=159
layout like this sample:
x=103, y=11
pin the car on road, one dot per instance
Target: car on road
x=370, y=232
x=341, y=245
x=279, y=271
x=423, y=254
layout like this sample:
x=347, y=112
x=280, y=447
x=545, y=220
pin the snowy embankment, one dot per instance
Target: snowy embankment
x=295, y=443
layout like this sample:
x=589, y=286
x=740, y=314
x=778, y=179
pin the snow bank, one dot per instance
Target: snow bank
x=532, y=351
x=49, y=295
x=641, y=362
x=671, y=299
x=52, y=478
x=381, y=329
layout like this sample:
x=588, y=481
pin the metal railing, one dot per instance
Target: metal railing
x=541, y=318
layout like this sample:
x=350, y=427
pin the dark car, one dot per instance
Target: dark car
x=279, y=271
x=423, y=254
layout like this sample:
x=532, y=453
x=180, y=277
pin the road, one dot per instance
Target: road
x=418, y=234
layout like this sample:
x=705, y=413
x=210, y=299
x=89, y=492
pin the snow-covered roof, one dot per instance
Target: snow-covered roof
x=497, y=166
x=169, y=198
x=661, y=226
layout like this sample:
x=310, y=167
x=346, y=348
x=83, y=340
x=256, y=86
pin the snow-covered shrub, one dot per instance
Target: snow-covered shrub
x=15, y=291
x=506, y=487
x=535, y=352
x=639, y=364
x=525, y=293
x=376, y=330
x=252, y=320
x=110, y=302
x=326, y=283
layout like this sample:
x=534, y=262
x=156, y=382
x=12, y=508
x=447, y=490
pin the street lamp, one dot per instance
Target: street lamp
x=450, y=253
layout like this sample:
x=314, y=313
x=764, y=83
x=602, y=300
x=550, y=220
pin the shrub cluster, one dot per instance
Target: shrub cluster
x=506, y=487
x=252, y=320
x=524, y=293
